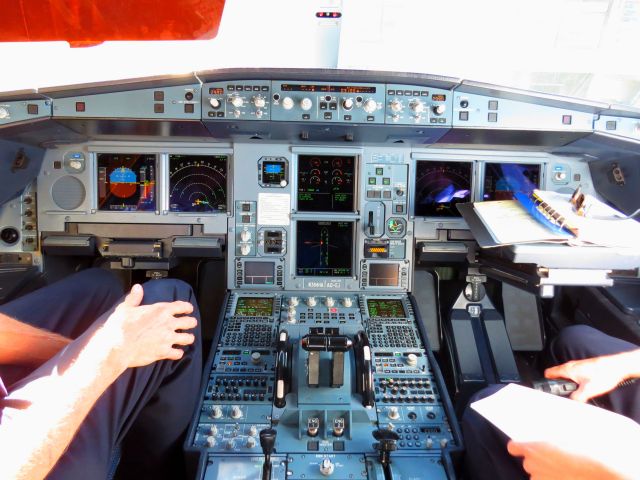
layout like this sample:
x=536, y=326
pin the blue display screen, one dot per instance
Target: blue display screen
x=273, y=168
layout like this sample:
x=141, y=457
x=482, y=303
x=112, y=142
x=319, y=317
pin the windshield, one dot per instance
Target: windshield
x=578, y=48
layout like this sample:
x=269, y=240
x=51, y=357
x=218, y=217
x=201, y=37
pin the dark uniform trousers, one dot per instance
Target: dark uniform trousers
x=486, y=447
x=146, y=411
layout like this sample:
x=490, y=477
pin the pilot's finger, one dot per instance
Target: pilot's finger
x=179, y=308
x=516, y=449
x=183, y=338
x=559, y=371
x=581, y=394
x=185, y=323
x=175, y=354
x=134, y=297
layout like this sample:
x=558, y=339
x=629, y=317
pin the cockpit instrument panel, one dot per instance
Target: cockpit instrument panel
x=198, y=183
x=326, y=183
x=324, y=249
x=502, y=180
x=126, y=182
x=440, y=185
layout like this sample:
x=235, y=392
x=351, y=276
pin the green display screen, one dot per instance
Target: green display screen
x=254, y=306
x=386, y=308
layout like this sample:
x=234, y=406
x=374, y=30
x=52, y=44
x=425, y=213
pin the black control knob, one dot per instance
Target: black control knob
x=9, y=235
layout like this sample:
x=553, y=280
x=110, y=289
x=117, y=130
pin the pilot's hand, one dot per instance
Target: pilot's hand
x=143, y=334
x=594, y=376
x=548, y=462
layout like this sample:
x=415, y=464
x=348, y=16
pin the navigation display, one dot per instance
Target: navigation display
x=254, y=307
x=440, y=186
x=385, y=308
x=325, y=183
x=502, y=180
x=324, y=249
x=259, y=273
x=198, y=183
x=383, y=274
x=126, y=182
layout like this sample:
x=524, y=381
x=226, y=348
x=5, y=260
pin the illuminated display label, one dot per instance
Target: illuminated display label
x=216, y=91
x=385, y=308
x=438, y=97
x=290, y=87
x=254, y=307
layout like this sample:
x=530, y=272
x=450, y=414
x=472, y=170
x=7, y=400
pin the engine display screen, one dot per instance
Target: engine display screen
x=325, y=183
x=324, y=249
x=502, y=180
x=198, y=183
x=259, y=273
x=254, y=307
x=385, y=308
x=384, y=274
x=126, y=182
x=440, y=186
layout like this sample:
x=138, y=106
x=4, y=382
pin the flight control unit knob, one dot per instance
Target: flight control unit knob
x=259, y=101
x=327, y=467
x=237, y=101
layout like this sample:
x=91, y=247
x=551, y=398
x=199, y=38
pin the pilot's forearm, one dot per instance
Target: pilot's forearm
x=23, y=344
x=58, y=405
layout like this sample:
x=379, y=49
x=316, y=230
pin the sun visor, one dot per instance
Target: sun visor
x=19, y=166
x=90, y=22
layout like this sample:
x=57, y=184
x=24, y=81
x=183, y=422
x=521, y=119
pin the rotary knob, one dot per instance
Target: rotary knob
x=311, y=301
x=392, y=413
x=245, y=249
x=259, y=101
x=215, y=103
x=211, y=441
x=329, y=302
x=347, y=104
x=237, y=101
x=347, y=302
x=370, y=105
x=395, y=105
x=213, y=430
x=216, y=412
x=251, y=442
x=287, y=103
x=253, y=431
x=245, y=235
x=256, y=358
x=327, y=467
x=236, y=412
x=306, y=104
x=293, y=301
x=417, y=106
x=4, y=113
x=412, y=360
x=438, y=109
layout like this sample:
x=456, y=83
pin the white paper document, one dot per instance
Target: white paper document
x=528, y=415
x=274, y=209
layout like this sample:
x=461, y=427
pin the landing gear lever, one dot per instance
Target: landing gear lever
x=386, y=444
x=267, y=442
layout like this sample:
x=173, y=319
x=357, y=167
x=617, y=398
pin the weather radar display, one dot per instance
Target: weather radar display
x=440, y=186
x=198, y=183
x=126, y=182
